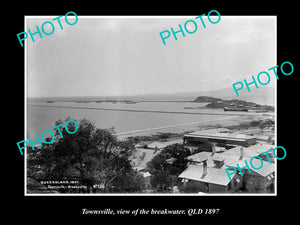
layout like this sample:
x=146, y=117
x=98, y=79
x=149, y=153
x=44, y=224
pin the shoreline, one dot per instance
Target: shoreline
x=237, y=123
x=172, y=126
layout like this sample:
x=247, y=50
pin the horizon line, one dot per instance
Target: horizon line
x=136, y=95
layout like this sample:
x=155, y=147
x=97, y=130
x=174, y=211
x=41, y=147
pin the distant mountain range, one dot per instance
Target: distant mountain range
x=263, y=95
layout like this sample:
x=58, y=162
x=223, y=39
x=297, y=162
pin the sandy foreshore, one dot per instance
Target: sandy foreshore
x=235, y=122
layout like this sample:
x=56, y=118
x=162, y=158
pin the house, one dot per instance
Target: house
x=201, y=178
x=261, y=180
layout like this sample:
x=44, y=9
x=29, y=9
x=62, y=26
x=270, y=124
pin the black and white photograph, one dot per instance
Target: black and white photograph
x=151, y=105
x=175, y=111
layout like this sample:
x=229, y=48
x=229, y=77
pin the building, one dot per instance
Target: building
x=216, y=160
x=261, y=180
x=253, y=150
x=264, y=138
x=261, y=148
x=206, y=173
x=201, y=178
x=255, y=181
x=241, y=152
x=199, y=157
x=214, y=136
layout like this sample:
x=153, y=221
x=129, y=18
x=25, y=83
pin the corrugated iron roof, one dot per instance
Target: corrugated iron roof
x=260, y=148
x=214, y=175
x=229, y=159
x=266, y=169
x=218, y=135
x=217, y=158
x=199, y=157
x=237, y=152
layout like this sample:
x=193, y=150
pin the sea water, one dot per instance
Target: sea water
x=42, y=115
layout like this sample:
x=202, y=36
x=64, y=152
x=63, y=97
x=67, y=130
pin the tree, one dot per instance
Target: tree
x=204, y=147
x=166, y=165
x=91, y=155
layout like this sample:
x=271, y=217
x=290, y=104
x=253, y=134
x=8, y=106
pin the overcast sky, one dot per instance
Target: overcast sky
x=125, y=56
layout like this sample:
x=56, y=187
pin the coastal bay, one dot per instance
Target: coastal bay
x=141, y=118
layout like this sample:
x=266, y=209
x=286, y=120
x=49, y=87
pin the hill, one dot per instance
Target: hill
x=263, y=95
x=207, y=99
x=233, y=104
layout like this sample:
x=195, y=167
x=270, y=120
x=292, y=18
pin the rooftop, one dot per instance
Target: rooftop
x=214, y=176
x=219, y=135
x=229, y=160
x=157, y=145
x=146, y=174
x=199, y=157
x=218, y=130
x=238, y=150
x=260, y=148
x=266, y=169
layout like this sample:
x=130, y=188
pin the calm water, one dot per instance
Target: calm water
x=40, y=118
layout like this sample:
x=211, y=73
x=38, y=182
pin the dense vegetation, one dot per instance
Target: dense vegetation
x=98, y=160
x=92, y=156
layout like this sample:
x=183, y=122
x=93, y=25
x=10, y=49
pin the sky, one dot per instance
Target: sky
x=121, y=56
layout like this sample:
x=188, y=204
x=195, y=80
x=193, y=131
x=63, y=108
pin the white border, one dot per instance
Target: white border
x=143, y=194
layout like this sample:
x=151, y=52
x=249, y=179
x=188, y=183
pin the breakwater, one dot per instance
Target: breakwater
x=146, y=111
